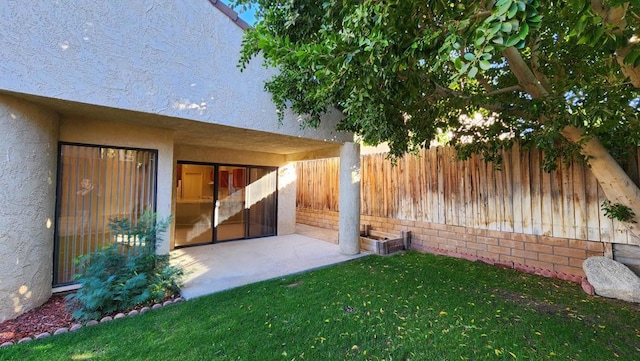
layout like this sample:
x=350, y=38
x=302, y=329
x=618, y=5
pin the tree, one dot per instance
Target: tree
x=563, y=76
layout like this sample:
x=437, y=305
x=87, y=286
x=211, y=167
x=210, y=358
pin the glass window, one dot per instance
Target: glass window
x=97, y=184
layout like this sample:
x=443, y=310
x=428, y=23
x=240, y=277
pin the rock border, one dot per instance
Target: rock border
x=77, y=326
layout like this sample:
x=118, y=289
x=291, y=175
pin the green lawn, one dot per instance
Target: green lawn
x=406, y=307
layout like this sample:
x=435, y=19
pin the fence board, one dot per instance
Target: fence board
x=593, y=207
x=492, y=220
x=579, y=202
x=440, y=177
x=535, y=189
x=468, y=215
x=568, y=226
x=516, y=175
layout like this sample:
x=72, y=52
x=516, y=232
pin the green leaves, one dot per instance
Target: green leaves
x=115, y=279
x=404, y=72
x=509, y=25
x=633, y=58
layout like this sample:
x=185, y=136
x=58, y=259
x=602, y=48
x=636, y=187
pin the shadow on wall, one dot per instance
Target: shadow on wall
x=20, y=298
x=17, y=303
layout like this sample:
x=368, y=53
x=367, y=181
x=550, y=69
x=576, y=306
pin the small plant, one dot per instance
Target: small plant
x=125, y=274
x=618, y=211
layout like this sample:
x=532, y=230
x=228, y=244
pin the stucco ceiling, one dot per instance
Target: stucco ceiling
x=190, y=132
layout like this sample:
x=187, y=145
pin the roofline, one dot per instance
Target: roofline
x=230, y=13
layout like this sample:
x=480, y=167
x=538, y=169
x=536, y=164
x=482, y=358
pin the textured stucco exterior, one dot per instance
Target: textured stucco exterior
x=287, y=199
x=172, y=58
x=28, y=143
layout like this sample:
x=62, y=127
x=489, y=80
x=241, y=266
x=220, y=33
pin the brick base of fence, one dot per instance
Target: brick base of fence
x=544, y=255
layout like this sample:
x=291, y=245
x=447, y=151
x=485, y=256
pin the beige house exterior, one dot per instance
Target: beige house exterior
x=100, y=100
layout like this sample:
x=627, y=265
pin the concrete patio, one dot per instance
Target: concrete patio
x=217, y=267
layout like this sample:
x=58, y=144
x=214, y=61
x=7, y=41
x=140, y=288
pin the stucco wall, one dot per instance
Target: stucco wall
x=90, y=131
x=28, y=146
x=286, y=199
x=175, y=58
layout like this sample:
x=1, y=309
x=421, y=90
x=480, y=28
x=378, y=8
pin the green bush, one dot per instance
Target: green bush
x=125, y=274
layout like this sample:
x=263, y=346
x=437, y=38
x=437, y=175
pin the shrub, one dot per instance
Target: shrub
x=127, y=273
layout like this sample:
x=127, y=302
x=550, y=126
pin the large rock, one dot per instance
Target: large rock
x=612, y=279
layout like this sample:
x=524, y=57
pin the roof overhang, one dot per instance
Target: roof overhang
x=195, y=133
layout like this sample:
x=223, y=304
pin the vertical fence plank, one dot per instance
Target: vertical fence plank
x=425, y=165
x=531, y=192
x=593, y=206
x=568, y=224
x=483, y=192
x=516, y=181
x=606, y=225
x=440, y=181
x=505, y=194
x=468, y=190
x=473, y=198
x=579, y=201
x=556, y=202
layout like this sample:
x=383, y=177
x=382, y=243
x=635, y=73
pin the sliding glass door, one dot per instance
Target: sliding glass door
x=261, y=201
x=224, y=202
x=194, y=204
x=230, y=214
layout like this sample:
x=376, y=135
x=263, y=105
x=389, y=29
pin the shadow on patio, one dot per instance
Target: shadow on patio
x=226, y=265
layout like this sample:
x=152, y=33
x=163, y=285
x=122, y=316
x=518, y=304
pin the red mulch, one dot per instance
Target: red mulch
x=46, y=318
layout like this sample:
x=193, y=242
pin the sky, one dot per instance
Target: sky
x=247, y=16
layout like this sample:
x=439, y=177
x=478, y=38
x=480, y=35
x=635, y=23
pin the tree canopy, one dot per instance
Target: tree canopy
x=560, y=75
x=402, y=71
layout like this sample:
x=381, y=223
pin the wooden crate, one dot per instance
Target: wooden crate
x=384, y=243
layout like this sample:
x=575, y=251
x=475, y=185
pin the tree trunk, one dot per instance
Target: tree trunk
x=615, y=183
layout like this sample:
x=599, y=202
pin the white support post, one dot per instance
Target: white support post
x=349, y=221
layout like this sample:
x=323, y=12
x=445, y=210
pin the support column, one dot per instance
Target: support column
x=349, y=221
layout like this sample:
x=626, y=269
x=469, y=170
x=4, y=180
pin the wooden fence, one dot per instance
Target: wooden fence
x=435, y=187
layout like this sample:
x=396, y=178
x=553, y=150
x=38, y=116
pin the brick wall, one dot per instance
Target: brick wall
x=549, y=256
x=316, y=218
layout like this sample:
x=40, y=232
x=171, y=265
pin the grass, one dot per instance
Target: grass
x=406, y=307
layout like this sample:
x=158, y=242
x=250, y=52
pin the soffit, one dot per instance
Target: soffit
x=190, y=132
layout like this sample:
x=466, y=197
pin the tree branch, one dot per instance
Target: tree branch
x=628, y=69
x=617, y=17
x=485, y=84
x=509, y=89
x=481, y=15
x=523, y=73
x=535, y=65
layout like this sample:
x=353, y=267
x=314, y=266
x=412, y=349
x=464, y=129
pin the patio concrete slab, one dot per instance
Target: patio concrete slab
x=222, y=266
